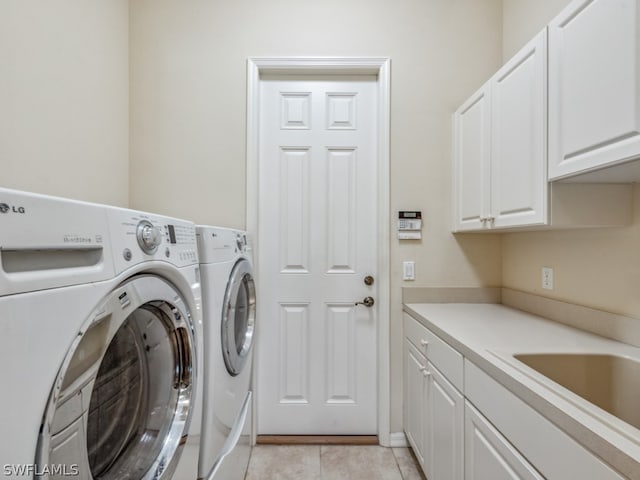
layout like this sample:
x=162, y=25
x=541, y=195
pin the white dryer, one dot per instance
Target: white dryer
x=100, y=312
x=228, y=297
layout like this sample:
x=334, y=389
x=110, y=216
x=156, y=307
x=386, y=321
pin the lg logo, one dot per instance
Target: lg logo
x=4, y=208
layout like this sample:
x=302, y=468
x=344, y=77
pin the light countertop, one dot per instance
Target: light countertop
x=489, y=334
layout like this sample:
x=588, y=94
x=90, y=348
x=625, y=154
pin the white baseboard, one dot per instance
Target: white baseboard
x=398, y=439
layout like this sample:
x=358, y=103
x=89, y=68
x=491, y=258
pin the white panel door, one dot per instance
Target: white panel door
x=518, y=138
x=317, y=351
x=471, y=157
x=594, y=85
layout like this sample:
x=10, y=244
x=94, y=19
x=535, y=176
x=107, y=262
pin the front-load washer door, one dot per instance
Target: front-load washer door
x=121, y=405
x=238, y=317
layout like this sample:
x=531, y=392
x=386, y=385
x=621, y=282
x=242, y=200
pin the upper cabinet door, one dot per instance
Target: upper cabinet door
x=471, y=161
x=518, y=138
x=594, y=86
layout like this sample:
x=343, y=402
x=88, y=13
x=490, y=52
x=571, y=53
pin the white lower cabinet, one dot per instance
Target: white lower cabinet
x=488, y=455
x=444, y=428
x=550, y=450
x=434, y=408
x=463, y=424
x=415, y=395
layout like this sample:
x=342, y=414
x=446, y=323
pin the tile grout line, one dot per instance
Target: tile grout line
x=393, y=452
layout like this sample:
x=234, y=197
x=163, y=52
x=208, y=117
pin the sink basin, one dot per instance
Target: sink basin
x=609, y=381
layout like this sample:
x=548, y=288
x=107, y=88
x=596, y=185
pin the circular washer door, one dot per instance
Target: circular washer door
x=121, y=405
x=238, y=317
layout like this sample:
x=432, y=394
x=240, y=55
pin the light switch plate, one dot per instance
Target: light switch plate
x=409, y=270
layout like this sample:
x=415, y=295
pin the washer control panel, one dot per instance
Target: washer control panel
x=140, y=237
x=149, y=237
x=183, y=237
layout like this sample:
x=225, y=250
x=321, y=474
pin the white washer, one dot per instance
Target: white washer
x=228, y=297
x=100, y=318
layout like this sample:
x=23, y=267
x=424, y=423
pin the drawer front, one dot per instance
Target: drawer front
x=551, y=451
x=440, y=354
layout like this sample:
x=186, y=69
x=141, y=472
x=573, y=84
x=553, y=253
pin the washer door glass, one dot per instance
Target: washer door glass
x=238, y=317
x=121, y=406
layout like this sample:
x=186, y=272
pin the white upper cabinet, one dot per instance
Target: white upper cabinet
x=499, y=147
x=594, y=86
x=518, y=138
x=500, y=154
x=471, y=157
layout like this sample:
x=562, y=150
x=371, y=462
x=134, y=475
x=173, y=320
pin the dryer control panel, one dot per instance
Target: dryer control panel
x=218, y=244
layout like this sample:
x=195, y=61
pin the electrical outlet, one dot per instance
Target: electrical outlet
x=547, y=278
x=408, y=270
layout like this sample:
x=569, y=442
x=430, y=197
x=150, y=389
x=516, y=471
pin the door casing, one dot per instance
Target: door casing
x=313, y=66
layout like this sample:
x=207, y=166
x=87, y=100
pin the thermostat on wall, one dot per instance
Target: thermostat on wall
x=409, y=225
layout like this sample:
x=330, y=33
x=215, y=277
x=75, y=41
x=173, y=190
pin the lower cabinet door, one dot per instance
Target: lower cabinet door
x=488, y=455
x=415, y=387
x=444, y=429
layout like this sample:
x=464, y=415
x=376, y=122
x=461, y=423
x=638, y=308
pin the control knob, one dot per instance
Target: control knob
x=240, y=244
x=149, y=237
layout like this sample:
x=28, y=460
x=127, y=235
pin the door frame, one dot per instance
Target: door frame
x=312, y=66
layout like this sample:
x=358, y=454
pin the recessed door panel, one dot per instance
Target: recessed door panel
x=294, y=209
x=341, y=210
x=294, y=353
x=341, y=355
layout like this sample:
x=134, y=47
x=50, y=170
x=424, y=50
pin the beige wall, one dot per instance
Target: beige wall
x=522, y=19
x=188, y=91
x=64, y=98
x=598, y=268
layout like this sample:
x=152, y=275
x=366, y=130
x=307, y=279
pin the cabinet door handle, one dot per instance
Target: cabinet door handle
x=426, y=372
x=424, y=343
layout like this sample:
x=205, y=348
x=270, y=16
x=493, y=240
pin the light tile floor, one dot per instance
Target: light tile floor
x=332, y=462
